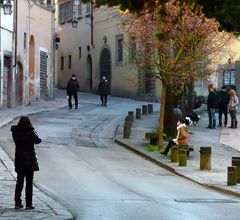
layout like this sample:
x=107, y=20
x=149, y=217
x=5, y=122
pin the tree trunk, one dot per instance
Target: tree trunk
x=162, y=110
x=170, y=119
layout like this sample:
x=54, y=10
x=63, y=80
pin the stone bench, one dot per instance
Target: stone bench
x=153, y=137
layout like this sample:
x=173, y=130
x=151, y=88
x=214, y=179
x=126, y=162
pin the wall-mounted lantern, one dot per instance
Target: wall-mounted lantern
x=74, y=21
x=7, y=6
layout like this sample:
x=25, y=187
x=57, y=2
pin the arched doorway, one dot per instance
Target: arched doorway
x=89, y=72
x=105, y=65
x=19, y=85
x=31, y=67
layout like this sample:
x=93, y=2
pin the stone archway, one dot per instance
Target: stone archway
x=31, y=67
x=89, y=72
x=105, y=65
x=19, y=85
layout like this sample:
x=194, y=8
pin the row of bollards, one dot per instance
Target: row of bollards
x=233, y=174
x=179, y=154
x=145, y=110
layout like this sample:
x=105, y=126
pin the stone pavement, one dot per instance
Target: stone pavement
x=224, y=143
x=46, y=207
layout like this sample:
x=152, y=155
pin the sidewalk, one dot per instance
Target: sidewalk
x=46, y=207
x=224, y=143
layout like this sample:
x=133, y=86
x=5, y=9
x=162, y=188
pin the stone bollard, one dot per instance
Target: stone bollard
x=182, y=157
x=236, y=163
x=138, y=113
x=150, y=108
x=131, y=115
x=128, y=120
x=205, y=158
x=232, y=176
x=174, y=154
x=127, y=129
x=144, y=110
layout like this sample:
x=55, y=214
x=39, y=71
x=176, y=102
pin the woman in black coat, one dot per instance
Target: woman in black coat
x=103, y=90
x=26, y=162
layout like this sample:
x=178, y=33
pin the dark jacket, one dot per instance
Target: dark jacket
x=212, y=100
x=103, y=88
x=223, y=99
x=72, y=86
x=25, y=154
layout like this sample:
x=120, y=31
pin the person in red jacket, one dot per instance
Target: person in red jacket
x=26, y=161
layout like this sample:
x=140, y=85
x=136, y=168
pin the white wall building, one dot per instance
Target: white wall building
x=6, y=61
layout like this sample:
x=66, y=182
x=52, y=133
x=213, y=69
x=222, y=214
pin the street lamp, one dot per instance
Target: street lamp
x=74, y=21
x=7, y=6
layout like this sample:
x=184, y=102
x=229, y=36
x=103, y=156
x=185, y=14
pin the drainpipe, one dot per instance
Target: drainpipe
x=91, y=14
x=1, y=58
x=52, y=85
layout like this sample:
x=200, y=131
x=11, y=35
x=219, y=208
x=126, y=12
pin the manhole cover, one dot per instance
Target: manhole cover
x=189, y=200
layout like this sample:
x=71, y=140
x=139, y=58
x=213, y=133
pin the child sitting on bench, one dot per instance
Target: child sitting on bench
x=181, y=139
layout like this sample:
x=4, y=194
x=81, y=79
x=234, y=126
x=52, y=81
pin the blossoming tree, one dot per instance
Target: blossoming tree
x=173, y=41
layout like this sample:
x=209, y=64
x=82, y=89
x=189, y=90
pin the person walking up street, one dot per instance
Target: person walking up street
x=103, y=90
x=211, y=106
x=72, y=90
x=223, y=100
x=233, y=103
x=26, y=161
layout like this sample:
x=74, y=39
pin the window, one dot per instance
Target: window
x=62, y=13
x=80, y=9
x=79, y=52
x=88, y=8
x=69, y=61
x=25, y=41
x=69, y=11
x=62, y=63
x=132, y=48
x=119, y=48
x=229, y=77
x=65, y=12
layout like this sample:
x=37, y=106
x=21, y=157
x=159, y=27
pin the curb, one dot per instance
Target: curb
x=172, y=170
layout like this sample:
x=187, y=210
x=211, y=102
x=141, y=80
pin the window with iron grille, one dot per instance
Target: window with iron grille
x=69, y=61
x=119, y=48
x=62, y=63
x=79, y=52
x=132, y=48
x=25, y=41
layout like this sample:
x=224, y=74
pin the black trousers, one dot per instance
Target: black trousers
x=222, y=111
x=104, y=99
x=75, y=100
x=170, y=144
x=29, y=187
